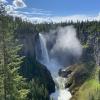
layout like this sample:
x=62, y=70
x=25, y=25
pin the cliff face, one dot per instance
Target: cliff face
x=95, y=43
x=92, y=40
x=31, y=68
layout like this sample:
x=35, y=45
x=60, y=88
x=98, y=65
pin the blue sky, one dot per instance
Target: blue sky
x=58, y=8
x=65, y=7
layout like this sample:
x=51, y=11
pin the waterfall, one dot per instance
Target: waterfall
x=45, y=57
x=53, y=66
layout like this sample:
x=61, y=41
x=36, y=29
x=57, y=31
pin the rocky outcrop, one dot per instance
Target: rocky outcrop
x=65, y=73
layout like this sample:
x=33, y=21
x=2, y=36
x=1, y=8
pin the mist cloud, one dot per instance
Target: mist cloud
x=64, y=45
x=66, y=40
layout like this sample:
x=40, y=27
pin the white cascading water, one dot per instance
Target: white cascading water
x=61, y=93
x=45, y=56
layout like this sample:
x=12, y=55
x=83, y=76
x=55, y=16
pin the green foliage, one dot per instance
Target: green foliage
x=14, y=84
x=32, y=69
x=11, y=82
x=90, y=89
x=38, y=91
x=95, y=95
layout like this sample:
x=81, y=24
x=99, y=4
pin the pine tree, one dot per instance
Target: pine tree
x=37, y=91
x=12, y=85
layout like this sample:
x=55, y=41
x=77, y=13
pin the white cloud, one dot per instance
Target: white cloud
x=13, y=9
x=29, y=16
x=16, y=4
x=10, y=9
x=40, y=15
x=57, y=19
x=34, y=13
x=19, y=4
